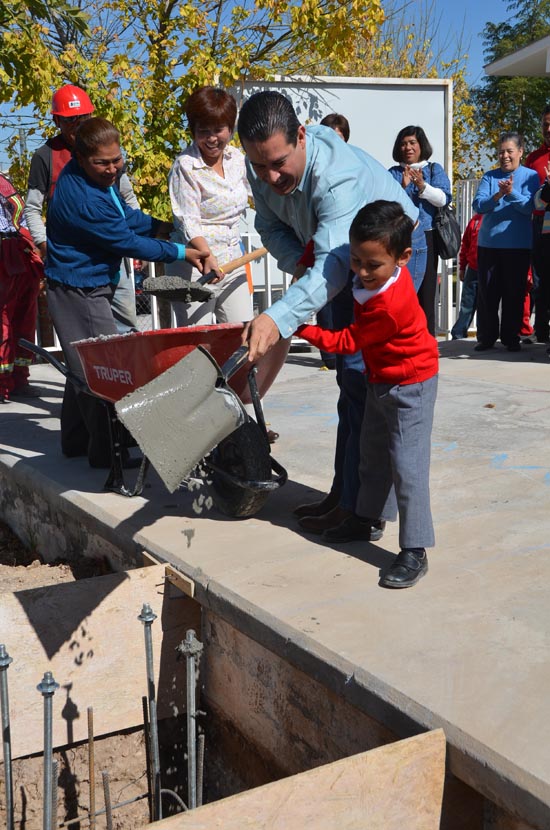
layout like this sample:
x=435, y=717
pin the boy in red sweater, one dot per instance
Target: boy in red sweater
x=402, y=363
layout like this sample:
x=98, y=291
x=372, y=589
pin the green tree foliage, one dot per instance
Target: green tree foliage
x=22, y=23
x=508, y=103
x=21, y=14
x=142, y=58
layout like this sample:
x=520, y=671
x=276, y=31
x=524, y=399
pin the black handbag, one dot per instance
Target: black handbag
x=446, y=233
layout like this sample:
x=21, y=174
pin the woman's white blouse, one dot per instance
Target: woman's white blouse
x=205, y=204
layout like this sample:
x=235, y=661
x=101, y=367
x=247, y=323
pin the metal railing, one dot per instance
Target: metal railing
x=270, y=283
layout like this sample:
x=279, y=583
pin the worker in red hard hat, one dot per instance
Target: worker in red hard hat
x=70, y=106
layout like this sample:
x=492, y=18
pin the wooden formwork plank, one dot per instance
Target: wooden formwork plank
x=394, y=787
x=87, y=633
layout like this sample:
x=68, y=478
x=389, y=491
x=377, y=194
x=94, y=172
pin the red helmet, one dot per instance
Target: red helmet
x=71, y=100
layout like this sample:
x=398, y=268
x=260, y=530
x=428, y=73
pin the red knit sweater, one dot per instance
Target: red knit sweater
x=468, y=247
x=390, y=329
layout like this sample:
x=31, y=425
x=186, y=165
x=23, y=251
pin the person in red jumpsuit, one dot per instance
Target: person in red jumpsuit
x=20, y=274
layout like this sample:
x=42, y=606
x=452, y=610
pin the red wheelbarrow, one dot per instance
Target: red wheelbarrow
x=240, y=472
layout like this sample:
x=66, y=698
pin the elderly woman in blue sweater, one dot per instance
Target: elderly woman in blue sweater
x=505, y=198
x=90, y=229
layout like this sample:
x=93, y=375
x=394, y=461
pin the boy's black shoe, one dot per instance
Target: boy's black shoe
x=410, y=565
x=356, y=529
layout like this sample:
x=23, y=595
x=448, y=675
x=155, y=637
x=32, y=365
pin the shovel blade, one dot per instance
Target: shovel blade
x=180, y=416
x=176, y=288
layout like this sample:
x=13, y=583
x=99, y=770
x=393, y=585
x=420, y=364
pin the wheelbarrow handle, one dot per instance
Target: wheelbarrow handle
x=53, y=361
x=234, y=363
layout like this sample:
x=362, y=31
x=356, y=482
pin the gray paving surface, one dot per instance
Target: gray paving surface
x=469, y=646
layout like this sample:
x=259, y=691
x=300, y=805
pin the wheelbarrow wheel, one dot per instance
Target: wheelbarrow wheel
x=244, y=455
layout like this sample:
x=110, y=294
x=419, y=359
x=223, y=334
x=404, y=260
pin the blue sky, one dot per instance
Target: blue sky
x=470, y=15
x=467, y=16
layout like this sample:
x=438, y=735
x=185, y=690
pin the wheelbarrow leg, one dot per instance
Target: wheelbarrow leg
x=115, y=480
x=257, y=403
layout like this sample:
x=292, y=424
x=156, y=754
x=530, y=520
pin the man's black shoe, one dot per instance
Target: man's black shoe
x=408, y=568
x=356, y=529
x=318, y=524
x=483, y=347
x=318, y=508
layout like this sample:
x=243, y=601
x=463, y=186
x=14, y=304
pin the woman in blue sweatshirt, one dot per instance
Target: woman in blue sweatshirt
x=505, y=198
x=90, y=229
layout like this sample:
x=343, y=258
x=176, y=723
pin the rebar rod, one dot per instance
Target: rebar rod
x=147, y=617
x=47, y=688
x=107, y=795
x=200, y=768
x=191, y=735
x=101, y=812
x=54, y=793
x=5, y=661
x=147, y=756
x=177, y=798
x=91, y=765
x=191, y=648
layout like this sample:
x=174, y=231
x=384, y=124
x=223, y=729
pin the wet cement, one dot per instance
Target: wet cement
x=177, y=289
x=180, y=416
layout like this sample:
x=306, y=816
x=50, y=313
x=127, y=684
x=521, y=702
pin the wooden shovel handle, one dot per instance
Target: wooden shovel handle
x=233, y=265
x=243, y=260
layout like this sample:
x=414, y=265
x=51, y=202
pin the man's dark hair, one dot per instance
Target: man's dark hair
x=384, y=222
x=266, y=113
x=334, y=120
x=546, y=111
x=421, y=137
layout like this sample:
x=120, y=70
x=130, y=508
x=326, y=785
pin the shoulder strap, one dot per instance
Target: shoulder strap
x=60, y=155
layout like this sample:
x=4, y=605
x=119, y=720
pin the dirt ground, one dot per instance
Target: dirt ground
x=21, y=568
x=122, y=755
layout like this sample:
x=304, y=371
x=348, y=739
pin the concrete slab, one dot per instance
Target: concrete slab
x=467, y=649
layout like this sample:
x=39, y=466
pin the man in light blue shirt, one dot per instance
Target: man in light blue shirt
x=307, y=184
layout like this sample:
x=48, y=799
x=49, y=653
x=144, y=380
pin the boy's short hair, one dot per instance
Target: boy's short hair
x=384, y=222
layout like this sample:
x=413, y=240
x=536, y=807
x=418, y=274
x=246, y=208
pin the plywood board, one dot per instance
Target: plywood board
x=87, y=633
x=395, y=787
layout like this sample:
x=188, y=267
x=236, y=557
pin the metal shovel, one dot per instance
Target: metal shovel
x=194, y=291
x=181, y=415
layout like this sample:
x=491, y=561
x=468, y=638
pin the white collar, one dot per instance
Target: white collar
x=363, y=295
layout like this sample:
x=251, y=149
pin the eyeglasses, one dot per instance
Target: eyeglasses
x=72, y=119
